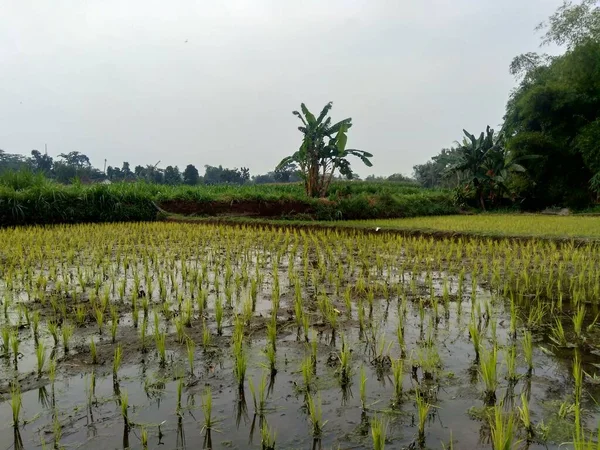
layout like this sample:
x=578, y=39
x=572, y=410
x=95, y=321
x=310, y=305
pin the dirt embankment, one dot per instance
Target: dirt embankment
x=256, y=208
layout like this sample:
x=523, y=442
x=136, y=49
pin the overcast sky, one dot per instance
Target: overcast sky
x=214, y=82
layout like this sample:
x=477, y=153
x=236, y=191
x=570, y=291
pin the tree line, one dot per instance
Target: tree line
x=547, y=152
x=68, y=167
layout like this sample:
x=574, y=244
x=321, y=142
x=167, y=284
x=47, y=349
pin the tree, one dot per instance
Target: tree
x=75, y=159
x=555, y=113
x=172, y=176
x=572, y=24
x=10, y=161
x=323, y=150
x=219, y=175
x=41, y=163
x=191, y=175
x=487, y=164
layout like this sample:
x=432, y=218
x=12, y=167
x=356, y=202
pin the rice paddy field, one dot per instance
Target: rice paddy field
x=495, y=225
x=174, y=335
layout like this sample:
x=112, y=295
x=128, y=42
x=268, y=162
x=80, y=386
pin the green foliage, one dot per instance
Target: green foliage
x=319, y=160
x=555, y=113
x=31, y=199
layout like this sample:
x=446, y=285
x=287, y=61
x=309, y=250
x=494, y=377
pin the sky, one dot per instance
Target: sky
x=215, y=82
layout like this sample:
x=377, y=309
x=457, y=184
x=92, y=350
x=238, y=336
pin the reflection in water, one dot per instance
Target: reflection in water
x=271, y=385
x=207, y=439
x=346, y=394
x=44, y=398
x=18, y=441
x=316, y=444
x=180, y=444
x=241, y=409
x=125, y=434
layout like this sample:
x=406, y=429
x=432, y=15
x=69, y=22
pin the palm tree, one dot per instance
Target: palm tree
x=317, y=159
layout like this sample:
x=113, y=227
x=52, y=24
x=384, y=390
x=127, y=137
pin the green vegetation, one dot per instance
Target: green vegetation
x=319, y=160
x=547, y=152
x=37, y=200
x=493, y=225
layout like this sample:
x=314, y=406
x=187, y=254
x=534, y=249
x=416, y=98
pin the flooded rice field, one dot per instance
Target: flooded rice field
x=175, y=336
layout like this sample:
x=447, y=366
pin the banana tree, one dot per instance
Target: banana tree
x=474, y=154
x=323, y=150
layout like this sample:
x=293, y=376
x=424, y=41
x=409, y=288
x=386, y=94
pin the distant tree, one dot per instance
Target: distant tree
x=287, y=173
x=41, y=163
x=191, y=175
x=399, y=178
x=126, y=172
x=264, y=179
x=172, y=176
x=218, y=175
x=63, y=172
x=319, y=160
x=139, y=171
x=75, y=159
x=10, y=161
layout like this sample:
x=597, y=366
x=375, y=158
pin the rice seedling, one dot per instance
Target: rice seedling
x=378, y=433
x=6, y=337
x=345, y=359
x=124, y=401
x=191, y=348
x=475, y=338
x=525, y=417
x=118, y=356
x=206, y=337
x=557, y=334
x=99, y=314
x=67, y=332
x=16, y=402
x=93, y=351
x=308, y=374
x=528, y=351
x=259, y=395
x=144, y=438
x=423, y=408
x=219, y=315
x=14, y=343
x=315, y=415
x=363, y=388
x=80, y=315
x=209, y=421
x=398, y=375
x=35, y=325
x=114, y=323
x=160, y=339
x=488, y=374
x=502, y=430
x=577, y=319
x=40, y=354
x=179, y=330
x=268, y=436
x=53, y=330
x=510, y=359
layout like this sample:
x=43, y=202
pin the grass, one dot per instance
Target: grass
x=493, y=225
x=38, y=200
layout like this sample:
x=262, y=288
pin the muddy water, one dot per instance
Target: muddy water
x=70, y=413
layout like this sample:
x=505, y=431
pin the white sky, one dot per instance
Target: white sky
x=117, y=79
